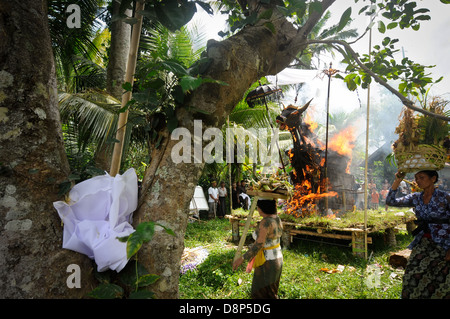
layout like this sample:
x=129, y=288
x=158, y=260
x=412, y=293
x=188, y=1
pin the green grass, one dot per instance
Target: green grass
x=301, y=278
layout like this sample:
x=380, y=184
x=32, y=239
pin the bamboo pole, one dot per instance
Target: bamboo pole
x=330, y=72
x=367, y=155
x=326, y=138
x=230, y=186
x=126, y=97
x=246, y=227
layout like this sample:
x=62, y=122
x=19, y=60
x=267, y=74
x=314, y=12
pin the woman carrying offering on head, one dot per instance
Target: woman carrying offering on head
x=427, y=272
x=265, y=255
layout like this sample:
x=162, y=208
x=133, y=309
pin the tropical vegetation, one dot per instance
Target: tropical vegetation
x=45, y=151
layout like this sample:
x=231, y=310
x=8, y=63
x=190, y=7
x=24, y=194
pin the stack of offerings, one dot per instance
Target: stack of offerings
x=423, y=142
x=275, y=183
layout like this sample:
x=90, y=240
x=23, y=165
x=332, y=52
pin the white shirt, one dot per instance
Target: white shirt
x=222, y=192
x=214, y=192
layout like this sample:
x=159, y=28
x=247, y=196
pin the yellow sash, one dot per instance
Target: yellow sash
x=259, y=259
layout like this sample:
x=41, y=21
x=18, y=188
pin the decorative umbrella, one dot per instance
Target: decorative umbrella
x=258, y=95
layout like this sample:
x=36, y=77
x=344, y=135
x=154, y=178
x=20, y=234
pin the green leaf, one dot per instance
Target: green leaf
x=64, y=188
x=174, y=14
x=134, y=243
x=147, y=280
x=392, y=25
x=106, y=291
x=266, y=15
x=174, y=67
x=270, y=26
x=190, y=83
x=350, y=80
x=168, y=230
x=146, y=230
x=381, y=27
x=127, y=86
x=363, y=9
x=130, y=274
x=445, y=1
x=345, y=18
x=123, y=239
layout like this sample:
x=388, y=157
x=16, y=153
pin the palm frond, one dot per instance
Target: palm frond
x=69, y=44
x=94, y=114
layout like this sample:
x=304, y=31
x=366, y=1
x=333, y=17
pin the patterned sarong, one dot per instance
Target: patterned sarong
x=427, y=272
x=266, y=279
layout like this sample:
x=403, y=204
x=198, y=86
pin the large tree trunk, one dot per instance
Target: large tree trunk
x=32, y=161
x=115, y=73
x=168, y=187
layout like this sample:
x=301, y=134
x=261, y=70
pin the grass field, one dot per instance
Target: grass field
x=311, y=270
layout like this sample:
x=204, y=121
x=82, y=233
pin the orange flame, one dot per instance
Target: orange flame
x=304, y=201
x=309, y=121
x=342, y=142
x=302, y=205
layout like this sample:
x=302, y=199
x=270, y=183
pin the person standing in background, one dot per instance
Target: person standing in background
x=213, y=199
x=222, y=200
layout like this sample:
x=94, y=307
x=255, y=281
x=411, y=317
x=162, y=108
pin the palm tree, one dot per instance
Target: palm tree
x=75, y=48
x=313, y=52
x=91, y=112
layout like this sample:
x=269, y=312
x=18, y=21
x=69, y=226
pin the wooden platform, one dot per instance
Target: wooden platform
x=355, y=235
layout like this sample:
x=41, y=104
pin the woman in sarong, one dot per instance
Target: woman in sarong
x=265, y=255
x=427, y=271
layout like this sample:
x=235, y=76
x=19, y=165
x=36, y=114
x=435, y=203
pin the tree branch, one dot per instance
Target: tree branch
x=407, y=102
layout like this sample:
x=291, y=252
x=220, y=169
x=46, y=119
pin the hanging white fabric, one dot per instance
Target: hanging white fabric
x=198, y=201
x=98, y=211
x=293, y=76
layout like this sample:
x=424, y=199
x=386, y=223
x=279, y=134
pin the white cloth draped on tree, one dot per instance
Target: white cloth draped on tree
x=98, y=211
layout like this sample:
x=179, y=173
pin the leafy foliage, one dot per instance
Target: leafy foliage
x=144, y=233
x=75, y=48
x=133, y=280
x=130, y=283
x=412, y=76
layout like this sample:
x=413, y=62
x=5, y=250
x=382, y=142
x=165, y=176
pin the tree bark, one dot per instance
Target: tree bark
x=115, y=73
x=168, y=188
x=32, y=161
x=118, y=56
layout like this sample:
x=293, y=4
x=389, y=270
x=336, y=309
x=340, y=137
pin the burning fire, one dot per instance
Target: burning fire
x=302, y=205
x=305, y=199
x=309, y=121
x=342, y=143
